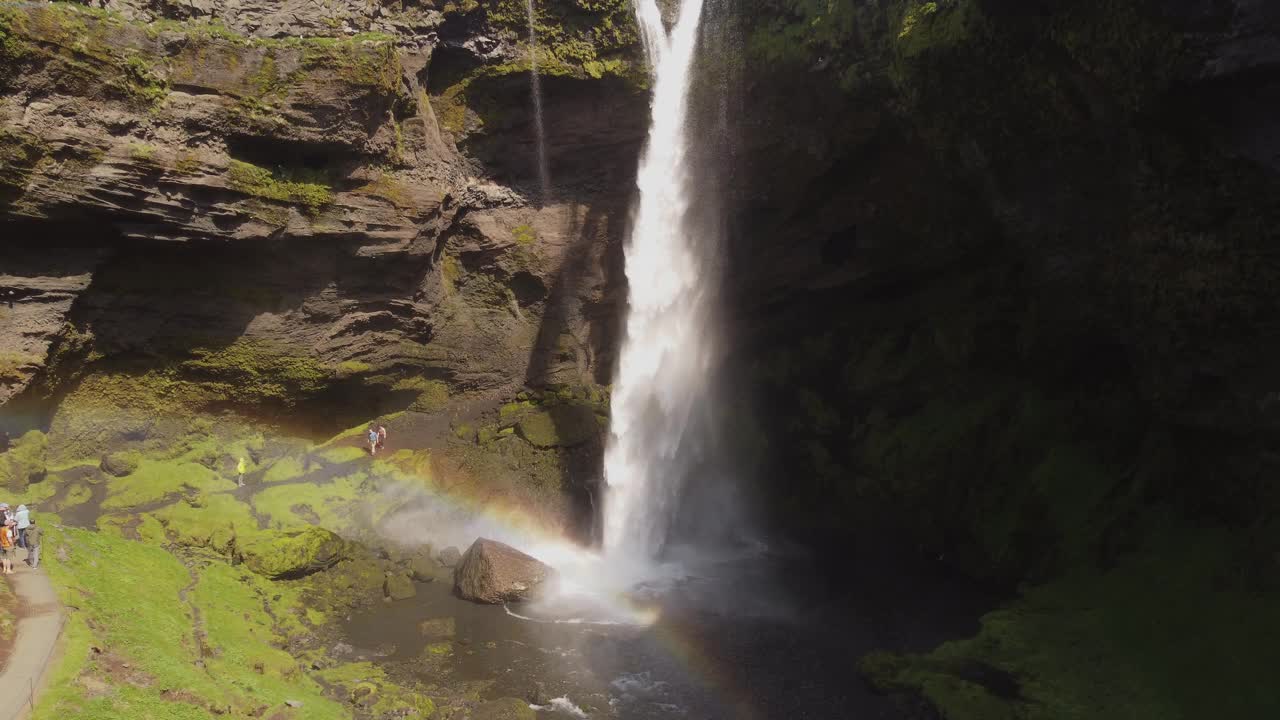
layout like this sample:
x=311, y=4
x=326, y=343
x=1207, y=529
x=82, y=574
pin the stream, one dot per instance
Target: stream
x=763, y=635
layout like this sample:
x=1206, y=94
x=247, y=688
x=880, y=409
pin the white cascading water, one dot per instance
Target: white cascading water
x=666, y=354
x=535, y=89
x=663, y=370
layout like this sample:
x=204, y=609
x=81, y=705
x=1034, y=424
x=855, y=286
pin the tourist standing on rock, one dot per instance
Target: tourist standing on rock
x=6, y=547
x=240, y=468
x=33, y=545
x=23, y=517
x=373, y=441
x=382, y=436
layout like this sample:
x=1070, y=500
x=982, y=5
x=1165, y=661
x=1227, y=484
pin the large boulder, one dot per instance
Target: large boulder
x=493, y=572
x=282, y=555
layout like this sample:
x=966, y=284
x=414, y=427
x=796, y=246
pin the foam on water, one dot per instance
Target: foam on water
x=561, y=705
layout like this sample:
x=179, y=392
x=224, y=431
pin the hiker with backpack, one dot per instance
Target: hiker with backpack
x=7, y=543
x=33, y=545
x=373, y=441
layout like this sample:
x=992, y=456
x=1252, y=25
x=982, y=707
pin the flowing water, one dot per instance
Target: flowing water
x=667, y=351
x=648, y=627
x=535, y=89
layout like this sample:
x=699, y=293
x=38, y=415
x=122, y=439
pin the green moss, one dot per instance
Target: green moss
x=328, y=504
x=932, y=26
x=121, y=463
x=1169, y=632
x=25, y=461
x=92, y=51
x=343, y=454
x=353, y=367
x=559, y=426
x=464, y=431
x=524, y=234
x=186, y=163
x=257, y=371
x=512, y=411
x=387, y=187
x=367, y=59
x=432, y=397
x=286, y=468
x=155, y=480
x=260, y=182
x=292, y=553
x=216, y=521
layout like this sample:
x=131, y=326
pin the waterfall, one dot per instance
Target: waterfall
x=535, y=89
x=663, y=374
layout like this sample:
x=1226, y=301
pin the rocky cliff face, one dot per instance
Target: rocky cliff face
x=324, y=199
x=994, y=311
x=1001, y=275
x=1020, y=312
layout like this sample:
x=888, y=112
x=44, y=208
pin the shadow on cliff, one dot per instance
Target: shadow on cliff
x=570, y=303
x=296, y=306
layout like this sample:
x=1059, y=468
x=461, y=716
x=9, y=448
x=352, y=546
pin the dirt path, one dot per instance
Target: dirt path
x=39, y=624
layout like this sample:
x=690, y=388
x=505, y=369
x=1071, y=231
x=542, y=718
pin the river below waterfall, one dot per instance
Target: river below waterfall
x=753, y=636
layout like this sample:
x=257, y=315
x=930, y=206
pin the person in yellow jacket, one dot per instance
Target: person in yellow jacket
x=240, y=468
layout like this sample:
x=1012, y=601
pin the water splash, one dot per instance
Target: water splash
x=666, y=355
x=535, y=89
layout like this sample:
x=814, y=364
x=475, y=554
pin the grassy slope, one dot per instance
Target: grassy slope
x=136, y=603
x=1170, y=632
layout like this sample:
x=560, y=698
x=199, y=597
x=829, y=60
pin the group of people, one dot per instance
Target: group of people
x=18, y=530
x=377, y=438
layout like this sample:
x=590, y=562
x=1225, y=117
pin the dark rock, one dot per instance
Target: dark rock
x=493, y=572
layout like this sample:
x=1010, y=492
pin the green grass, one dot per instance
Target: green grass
x=124, y=598
x=1171, y=632
x=101, y=579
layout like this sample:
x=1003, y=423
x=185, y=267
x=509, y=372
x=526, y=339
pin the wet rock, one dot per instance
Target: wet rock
x=438, y=628
x=283, y=555
x=493, y=572
x=399, y=587
x=450, y=557
x=504, y=709
x=424, y=568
